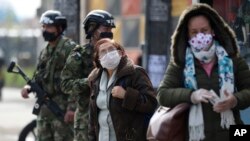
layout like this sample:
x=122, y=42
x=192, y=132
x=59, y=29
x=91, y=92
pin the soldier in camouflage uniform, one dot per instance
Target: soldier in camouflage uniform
x=97, y=24
x=50, y=64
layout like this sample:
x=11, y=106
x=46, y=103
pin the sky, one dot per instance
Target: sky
x=24, y=8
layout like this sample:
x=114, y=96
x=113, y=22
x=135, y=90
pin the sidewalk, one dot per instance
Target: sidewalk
x=15, y=113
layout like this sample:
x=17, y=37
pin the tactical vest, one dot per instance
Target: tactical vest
x=51, y=64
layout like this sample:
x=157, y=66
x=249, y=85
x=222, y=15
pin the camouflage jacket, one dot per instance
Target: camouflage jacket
x=47, y=75
x=74, y=75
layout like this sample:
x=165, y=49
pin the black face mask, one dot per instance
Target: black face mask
x=106, y=35
x=48, y=36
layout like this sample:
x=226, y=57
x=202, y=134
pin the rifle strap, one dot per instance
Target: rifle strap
x=59, y=48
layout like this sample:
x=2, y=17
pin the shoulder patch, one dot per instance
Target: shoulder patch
x=81, y=49
x=77, y=48
x=76, y=55
x=71, y=42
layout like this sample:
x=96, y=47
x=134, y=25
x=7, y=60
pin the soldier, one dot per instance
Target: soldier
x=50, y=64
x=97, y=24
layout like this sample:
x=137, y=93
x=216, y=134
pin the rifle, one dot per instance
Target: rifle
x=42, y=97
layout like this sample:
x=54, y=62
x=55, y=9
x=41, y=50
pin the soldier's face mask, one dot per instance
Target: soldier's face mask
x=49, y=36
x=106, y=35
x=105, y=32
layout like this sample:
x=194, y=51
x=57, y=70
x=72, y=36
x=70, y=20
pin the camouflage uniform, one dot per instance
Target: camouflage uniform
x=74, y=81
x=47, y=75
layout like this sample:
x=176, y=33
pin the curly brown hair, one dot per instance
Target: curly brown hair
x=99, y=43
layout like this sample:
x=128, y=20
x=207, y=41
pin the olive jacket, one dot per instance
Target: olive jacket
x=172, y=90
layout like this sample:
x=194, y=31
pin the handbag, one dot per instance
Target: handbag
x=169, y=124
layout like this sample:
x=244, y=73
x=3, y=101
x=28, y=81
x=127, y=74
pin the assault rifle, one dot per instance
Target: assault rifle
x=42, y=97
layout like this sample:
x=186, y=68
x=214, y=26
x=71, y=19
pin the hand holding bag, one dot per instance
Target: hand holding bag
x=169, y=124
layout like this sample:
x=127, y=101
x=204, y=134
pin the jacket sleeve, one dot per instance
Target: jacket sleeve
x=69, y=46
x=171, y=90
x=242, y=83
x=141, y=95
x=74, y=74
x=91, y=125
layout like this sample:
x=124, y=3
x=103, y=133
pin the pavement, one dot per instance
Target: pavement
x=15, y=113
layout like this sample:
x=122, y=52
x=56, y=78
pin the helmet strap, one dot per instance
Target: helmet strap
x=91, y=29
x=59, y=30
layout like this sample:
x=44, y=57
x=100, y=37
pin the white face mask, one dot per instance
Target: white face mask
x=201, y=41
x=110, y=60
x=200, y=47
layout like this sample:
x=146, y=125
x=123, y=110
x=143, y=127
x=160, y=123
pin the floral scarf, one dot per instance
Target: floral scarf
x=226, y=77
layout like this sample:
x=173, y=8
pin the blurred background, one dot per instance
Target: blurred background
x=143, y=27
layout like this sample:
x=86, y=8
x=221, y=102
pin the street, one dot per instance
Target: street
x=15, y=113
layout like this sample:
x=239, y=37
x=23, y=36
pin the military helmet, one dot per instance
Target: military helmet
x=96, y=18
x=53, y=17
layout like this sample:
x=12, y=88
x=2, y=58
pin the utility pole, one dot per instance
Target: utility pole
x=157, y=44
x=70, y=9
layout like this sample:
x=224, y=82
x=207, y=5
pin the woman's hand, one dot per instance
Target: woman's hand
x=118, y=92
x=229, y=102
x=201, y=95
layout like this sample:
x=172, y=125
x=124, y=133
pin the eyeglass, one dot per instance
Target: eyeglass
x=103, y=52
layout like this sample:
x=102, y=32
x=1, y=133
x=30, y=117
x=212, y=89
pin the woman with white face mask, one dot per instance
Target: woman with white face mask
x=122, y=97
x=207, y=72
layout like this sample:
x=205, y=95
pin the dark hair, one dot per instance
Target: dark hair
x=194, y=14
x=212, y=22
x=222, y=32
x=99, y=43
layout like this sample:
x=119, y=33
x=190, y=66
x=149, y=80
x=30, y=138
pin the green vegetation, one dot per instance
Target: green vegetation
x=16, y=80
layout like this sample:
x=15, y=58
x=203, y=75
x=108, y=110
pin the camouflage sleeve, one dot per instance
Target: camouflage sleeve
x=70, y=45
x=36, y=71
x=74, y=74
x=71, y=103
x=71, y=99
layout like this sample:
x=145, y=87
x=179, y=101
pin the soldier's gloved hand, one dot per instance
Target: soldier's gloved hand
x=201, y=95
x=69, y=116
x=25, y=91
